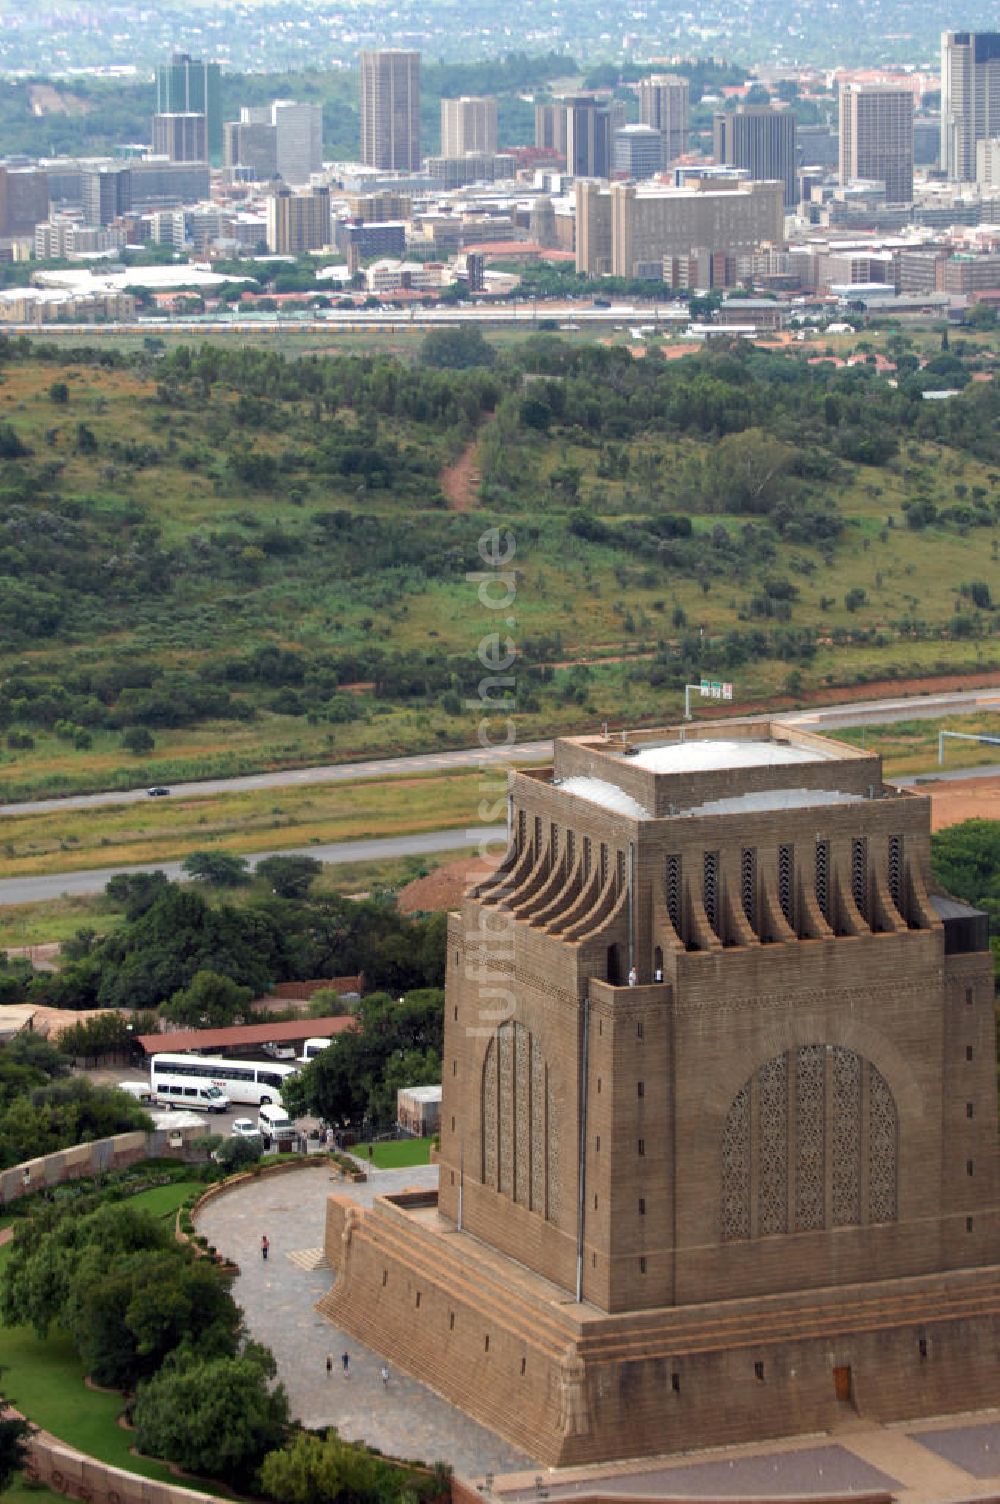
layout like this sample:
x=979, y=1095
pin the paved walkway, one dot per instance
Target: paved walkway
x=405, y=1418
x=932, y=1461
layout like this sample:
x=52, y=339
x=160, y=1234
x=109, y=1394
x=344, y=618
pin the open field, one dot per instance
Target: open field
x=165, y=829
x=287, y=586
x=911, y=747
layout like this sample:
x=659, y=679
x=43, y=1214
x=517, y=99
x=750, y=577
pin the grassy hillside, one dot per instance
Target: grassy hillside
x=252, y=560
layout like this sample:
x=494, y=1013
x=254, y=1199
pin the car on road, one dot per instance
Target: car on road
x=244, y=1128
x=157, y=791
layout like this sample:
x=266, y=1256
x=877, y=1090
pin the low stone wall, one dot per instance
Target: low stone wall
x=70, y=1472
x=104, y=1154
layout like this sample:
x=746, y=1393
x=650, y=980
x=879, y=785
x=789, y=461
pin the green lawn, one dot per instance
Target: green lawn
x=45, y=1381
x=396, y=1154
x=22, y=1491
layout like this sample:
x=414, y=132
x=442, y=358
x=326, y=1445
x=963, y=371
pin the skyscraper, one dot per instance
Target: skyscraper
x=390, y=110
x=188, y=86
x=663, y=104
x=107, y=194
x=299, y=140
x=761, y=141
x=588, y=137
x=970, y=98
x=468, y=124
x=550, y=127
x=298, y=222
x=182, y=138
x=876, y=138
x=637, y=151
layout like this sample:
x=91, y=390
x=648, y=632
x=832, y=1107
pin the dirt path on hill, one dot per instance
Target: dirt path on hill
x=460, y=481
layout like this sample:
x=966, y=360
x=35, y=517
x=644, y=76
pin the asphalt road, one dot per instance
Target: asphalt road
x=341, y=772
x=93, y=879
x=858, y=713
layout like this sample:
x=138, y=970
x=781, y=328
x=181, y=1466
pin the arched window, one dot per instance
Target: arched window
x=519, y=1132
x=810, y=1142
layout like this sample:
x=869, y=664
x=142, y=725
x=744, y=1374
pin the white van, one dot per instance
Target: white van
x=182, y=1091
x=312, y=1048
x=137, y=1089
x=276, y=1127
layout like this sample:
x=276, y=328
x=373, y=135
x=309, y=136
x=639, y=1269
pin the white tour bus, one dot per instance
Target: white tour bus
x=194, y=1096
x=254, y=1081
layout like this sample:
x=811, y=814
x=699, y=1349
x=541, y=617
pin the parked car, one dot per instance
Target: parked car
x=244, y=1128
x=157, y=791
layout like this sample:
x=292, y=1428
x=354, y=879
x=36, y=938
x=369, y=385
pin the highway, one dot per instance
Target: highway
x=340, y=772
x=94, y=879
x=858, y=713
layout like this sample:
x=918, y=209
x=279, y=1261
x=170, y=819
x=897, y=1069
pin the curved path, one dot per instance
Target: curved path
x=403, y=1418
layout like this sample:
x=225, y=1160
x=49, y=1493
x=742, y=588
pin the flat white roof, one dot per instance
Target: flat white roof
x=710, y=755
x=766, y=799
x=608, y=795
x=421, y=1093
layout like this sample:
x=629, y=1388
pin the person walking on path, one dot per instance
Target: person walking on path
x=329, y=1364
x=383, y=1374
x=264, y=1246
x=345, y=1360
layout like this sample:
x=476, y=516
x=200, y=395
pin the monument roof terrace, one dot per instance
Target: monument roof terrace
x=722, y=768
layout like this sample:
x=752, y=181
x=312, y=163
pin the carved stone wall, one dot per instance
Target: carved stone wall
x=810, y=1142
x=519, y=1148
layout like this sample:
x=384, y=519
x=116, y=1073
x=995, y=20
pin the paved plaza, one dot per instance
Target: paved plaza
x=941, y=1461
x=279, y=1296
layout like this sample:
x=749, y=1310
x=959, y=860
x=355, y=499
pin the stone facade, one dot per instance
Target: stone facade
x=718, y=1131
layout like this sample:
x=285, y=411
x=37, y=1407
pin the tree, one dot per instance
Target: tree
x=359, y=1074
x=220, y=868
x=137, y=740
x=289, y=876
x=208, y=1001
x=59, y=393
x=217, y=1416
x=456, y=349
x=745, y=470
x=236, y=1154
x=15, y=1434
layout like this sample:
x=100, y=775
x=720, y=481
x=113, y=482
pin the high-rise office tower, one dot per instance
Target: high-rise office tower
x=550, y=127
x=188, y=86
x=298, y=222
x=250, y=144
x=107, y=194
x=588, y=137
x=663, y=104
x=468, y=125
x=970, y=98
x=182, y=138
x=876, y=138
x=762, y=142
x=299, y=140
x=390, y=109
x=24, y=199
x=637, y=151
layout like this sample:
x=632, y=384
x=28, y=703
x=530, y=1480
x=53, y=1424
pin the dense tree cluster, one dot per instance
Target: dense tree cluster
x=198, y=958
x=398, y=1043
x=42, y=1109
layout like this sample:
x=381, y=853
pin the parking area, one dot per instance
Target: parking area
x=221, y=1122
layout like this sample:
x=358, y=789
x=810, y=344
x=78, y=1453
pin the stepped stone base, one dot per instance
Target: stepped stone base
x=570, y=1384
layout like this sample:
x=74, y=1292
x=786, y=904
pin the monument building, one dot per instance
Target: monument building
x=718, y=1150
